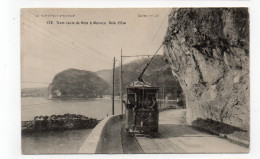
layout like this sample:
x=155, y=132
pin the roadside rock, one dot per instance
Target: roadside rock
x=208, y=51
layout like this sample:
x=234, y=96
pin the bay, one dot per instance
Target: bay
x=60, y=142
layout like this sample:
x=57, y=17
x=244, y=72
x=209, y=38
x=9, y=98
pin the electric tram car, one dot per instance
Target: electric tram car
x=142, y=113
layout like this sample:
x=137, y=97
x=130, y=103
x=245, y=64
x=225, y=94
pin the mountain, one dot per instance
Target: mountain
x=81, y=84
x=73, y=83
x=158, y=74
x=106, y=75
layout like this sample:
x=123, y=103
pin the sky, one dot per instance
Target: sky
x=50, y=43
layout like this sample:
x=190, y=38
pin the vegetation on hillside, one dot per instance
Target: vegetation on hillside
x=77, y=83
x=73, y=83
x=158, y=74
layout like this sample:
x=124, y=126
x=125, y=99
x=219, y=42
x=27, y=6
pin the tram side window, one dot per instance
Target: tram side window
x=131, y=101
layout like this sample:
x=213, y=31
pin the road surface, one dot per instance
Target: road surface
x=175, y=136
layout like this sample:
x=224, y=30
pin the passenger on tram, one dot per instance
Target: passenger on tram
x=152, y=103
x=131, y=102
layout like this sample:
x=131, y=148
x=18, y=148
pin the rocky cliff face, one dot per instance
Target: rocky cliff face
x=208, y=51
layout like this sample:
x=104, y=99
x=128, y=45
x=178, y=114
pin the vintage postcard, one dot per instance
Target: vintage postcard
x=135, y=80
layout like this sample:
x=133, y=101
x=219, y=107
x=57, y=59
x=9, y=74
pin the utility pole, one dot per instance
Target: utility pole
x=121, y=73
x=121, y=83
x=163, y=97
x=113, y=93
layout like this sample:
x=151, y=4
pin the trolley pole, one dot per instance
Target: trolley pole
x=121, y=82
x=113, y=93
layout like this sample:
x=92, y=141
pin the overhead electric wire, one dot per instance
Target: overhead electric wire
x=160, y=26
x=153, y=55
x=81, y=46
x=154, y=38
x=141, y=75
x=35, y=68
x=58, y=41
x=79, y=49
x=67, y=32
x=138, y=56
x=158, y=29
x=92, y=48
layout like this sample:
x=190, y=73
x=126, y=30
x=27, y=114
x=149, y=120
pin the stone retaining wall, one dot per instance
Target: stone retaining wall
x=95, y=141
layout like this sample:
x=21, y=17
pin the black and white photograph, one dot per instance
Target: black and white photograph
x=135, y=80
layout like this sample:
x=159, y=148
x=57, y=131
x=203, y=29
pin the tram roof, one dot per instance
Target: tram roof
x=142, y=87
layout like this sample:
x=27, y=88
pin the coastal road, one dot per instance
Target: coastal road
x=175, y=136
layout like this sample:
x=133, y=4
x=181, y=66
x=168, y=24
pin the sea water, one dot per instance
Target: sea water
x=68, y=141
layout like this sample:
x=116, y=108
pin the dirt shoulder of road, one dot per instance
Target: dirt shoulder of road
x=224, y=130
x=232, y=133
